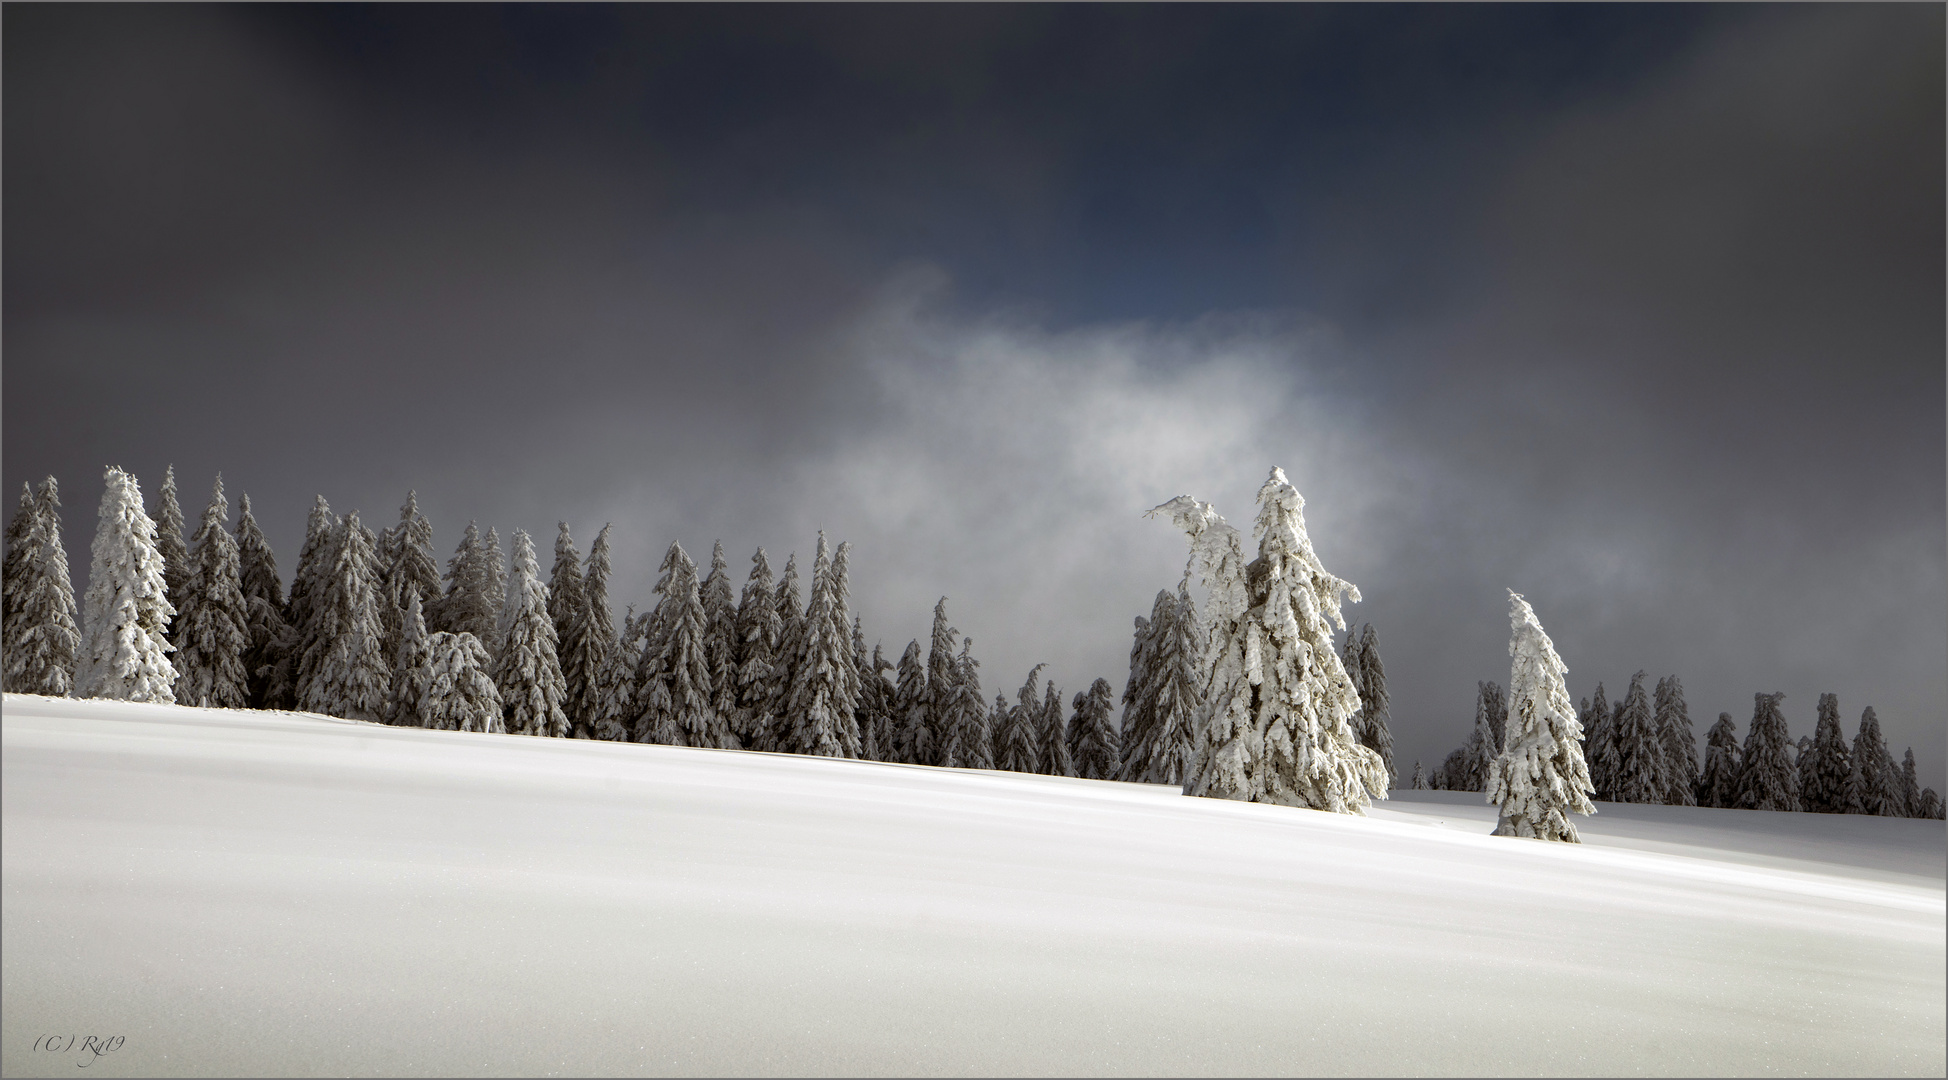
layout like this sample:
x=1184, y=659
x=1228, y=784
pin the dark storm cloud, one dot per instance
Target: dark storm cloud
x=1637, y=310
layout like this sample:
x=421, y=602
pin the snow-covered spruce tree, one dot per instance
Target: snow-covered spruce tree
x=1929, y=805
x=126, y=611
x=1176, y=692
x=496, y=560
x=1824, y=769
x=1375, y=703
x=527, y=673
x=1138, y=715
x=1766, y=778
x=758, y=628
x=409, y=567
x=455, y=692
x=43, y=633
x=271, y=672
x=1718, y=784
x=1678, y=743
x=346, y=672
x=615, y=715
x=13, y=571
x=913, y=742
x=314, y=560
x=1539, y=778
x=940, y=686
x=1052, y=756
x=825, y=684
x=565, y=589
x=1420, y=777
x=169, y=541
x=1092, y=741
x=461, y=606
x=1910, y=789
x=1639, y=751
x=1470, y=771
x=212, y=630
x=1874, y=782
x=976, y=750
x=673, y=681
x=590, y=642
x=720, y=639
x=997, y=725
x=1600, y=745
x=408, y=664
x=1276, y=721
x=1016, y=746
x=773, y=725
x=1495, y=703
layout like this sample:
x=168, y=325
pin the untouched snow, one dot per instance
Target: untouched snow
x=275, y=893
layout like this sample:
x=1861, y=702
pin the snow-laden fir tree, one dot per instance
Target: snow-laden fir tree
x=1137, y=713
x=1823, y=769
x=871, y=710
x=126, y=611
x=673, y=692
x=1929, y=805
x=496, y=589
x=169, y=541
x=463, y=605
x=1016, y=742
x=565, y=589
x=406, y=555
x=1469, y=772
x=527, y=673
x=591, y=640
x=997, y=724
x=1158, y=749
x=1874, y=782
x=615, y=715
x=1718, y=783
x=1766, y=777
x=720, y=637
x=758, y=629
x=913, y=742
x=825, y=683
x=408, y=666
x=13, y=570
x=345, y=672
x=455, y=691
x=1276, y=726
x=314, y=561
x=269, y=666
x=1678, y=743
x=1052, y=756
x=1599, y=746
x=1539, y=778
x=1495, y=702
x=1910, y=787
x=1375, y=702
x=940, y=685
x=1420, y=777
x=971, y=720
x=1639, y=750
x=212, y=630
x=1092, y=739
x=773, y=725
x=43, y=634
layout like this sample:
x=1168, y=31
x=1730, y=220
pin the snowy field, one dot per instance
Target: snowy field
x=272, y=893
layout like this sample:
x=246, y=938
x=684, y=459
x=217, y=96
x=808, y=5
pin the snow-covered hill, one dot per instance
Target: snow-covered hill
x=240, y=893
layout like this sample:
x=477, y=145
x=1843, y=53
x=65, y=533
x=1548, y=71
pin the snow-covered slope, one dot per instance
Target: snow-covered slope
x=241, y=892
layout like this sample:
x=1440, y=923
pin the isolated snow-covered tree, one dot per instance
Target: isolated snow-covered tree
x=720, y=638
x=591, y=640
x=825, y=684
x=169, y=541
x=1276, y=726
x=1016, y=743
x=270, y=669
x=976, y=737
x=1539, y=778
x=1376, y=703
x=1639, y=750
x=1160, y=748
x=673, y=681
x=1873, y=785
x=126, y=611
x=527, y=672
x=913, y=742
x=1600, y=746
x=1678, y=743
x=1718, y=785
x=774, y=723
x=1766, y=778
x=213, y=631
x=615, y=715
x=42, y=632
x=1824, y=769
x=758, y=629
x=345, y=672
x=455, y=691
x=940, y=685
x=403, y=706
x=1052, y=756
x=1092, y=740
x=1420, y=777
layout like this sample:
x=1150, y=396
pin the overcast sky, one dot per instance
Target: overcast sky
x=1637, y=310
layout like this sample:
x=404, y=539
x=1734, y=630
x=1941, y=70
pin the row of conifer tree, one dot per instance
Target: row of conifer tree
x=1642, y=750
x=372, y=630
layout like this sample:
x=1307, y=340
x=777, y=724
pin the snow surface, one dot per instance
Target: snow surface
x=277, y=893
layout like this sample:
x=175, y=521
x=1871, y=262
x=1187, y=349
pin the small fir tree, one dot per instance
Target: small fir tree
x=976, y=749
x=914, y=744
x=1015, y=742
x=1092, y=741
x=213, y=631
x=1599, y=746
x=407, y=556
x=43, y=634
x=463, y=604
x=1718, y=786
x=1929, y=805
x=1420, y=777
x=1478, y=753
x=565, y=588
x=1052, y=756
x=1910, y=789
x=1678, y=743
x=1539, y=778
x=673, y=691
x=874, y=732
x=1496, y=704
x=126, y=611
x=403, y=706
x=1874, y=782
x=758, y=630
x=1160, y=751
x=345, y=672
x=527, y=673
x=13, y=571
x=615, y=715
x=455, y=692
x=1639, y=750
x=314, y=559
x=1824, y=768
x=1767, y=779
x=169, y=541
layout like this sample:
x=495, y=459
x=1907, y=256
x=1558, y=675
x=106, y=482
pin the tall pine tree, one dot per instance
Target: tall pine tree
x=1138, y=713
x=213, y=630
x=1678, y=743
x=345, y=671
x=407, y=555
x=1766, y=777
x=720, y=638
x=914, y=743
x=43, y=634
x=126, y=611
x=1639, y=750
x=673, y=692
x=976, y=739
x=590, y=643
x=403, y=699
x=758, y=630
x=940, y=686
x=527, y=673
x=169, y=541
x=773, y=725
x=825, y=687
x=1016, y=742
x=1375, y=703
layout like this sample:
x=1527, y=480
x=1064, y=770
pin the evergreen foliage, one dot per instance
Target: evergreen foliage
x=1678, y=743
x=1600, y=745
x=126, y=611
x=772, y=726
x=758, y=629
x=269, y=667
x=527, y=672
x=1929, y=805
x=1639, y=750
x=1420, y=777
x=344, y=670
x=42, y=632
x=464, y=605
x=1718, y=786
x=406, y=553
x=13, y=570
x=169, y=542
x=673, y=679
x=496, y=562
x=455, y=692
x=1766, y=777
x=976, y=738
x=1539, y=778
x=720, y=639
x=591, y=641
x=1139, y=713
x=403, y=706
x=1016, y=746
x=940, y=687
x=1825, y=767
x=1910, y=787
x=875, y=698
x=1495, y=704
x=1092, y=739
x=913, y=742
x=1052, y=756
x=1375, y=703
x=212, y=630
x=565, y=600
x=825, y=682
x=615, y=715
x=1874, y=783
